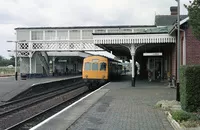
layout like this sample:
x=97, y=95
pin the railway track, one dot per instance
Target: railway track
x=8, y=108
x=35, y=119
x=15, y=113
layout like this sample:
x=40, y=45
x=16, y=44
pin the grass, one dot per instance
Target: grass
x=186, y=119
x=5, y=71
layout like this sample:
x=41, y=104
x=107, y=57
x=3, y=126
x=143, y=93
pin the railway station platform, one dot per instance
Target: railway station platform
x=115, y=106
x=9, y=87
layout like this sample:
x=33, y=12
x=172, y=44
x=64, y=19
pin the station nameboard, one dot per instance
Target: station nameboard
x=62, y=60
x=153, y=54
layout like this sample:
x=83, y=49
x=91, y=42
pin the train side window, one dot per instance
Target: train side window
x=94, y=66
x=87, y=66
x=102, y=66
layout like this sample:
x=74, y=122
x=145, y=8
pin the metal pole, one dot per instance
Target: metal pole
x=15, y=60
x=30, y=67
x=53, y=65
x=133, y=70
x=178, y=54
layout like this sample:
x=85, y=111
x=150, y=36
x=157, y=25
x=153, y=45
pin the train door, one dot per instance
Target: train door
x=95, y=69
x=102, y=70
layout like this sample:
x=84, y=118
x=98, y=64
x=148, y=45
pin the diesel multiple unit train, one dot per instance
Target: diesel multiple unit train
x=100, y=69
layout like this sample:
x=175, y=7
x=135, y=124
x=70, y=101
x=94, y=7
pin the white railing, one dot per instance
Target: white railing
x=25, y=48
x=72, y=45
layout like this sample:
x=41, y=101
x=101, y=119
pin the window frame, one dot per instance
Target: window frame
x=101, y=66
x=89, y=68
x=37, y=35
x=97, y=66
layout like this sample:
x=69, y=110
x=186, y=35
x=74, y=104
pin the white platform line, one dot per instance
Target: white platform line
x=48, y=119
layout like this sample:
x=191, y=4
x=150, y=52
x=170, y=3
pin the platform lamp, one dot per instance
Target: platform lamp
x=178, y=53
x=16, y=56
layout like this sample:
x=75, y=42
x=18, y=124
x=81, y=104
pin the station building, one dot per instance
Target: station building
x=154, y=47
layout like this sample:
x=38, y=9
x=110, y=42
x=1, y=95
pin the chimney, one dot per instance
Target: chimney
x=174, y=10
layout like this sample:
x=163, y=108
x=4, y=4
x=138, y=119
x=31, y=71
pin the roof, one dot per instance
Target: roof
x=156, y=30
x=184, y=20
x=174, y=27
x=86, y=27
x=110, y=59
x=76, y=54
x=166, y=20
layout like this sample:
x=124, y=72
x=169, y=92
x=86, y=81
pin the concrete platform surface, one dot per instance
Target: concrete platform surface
x=117, y=106
x=69, y=115
x=9, y=87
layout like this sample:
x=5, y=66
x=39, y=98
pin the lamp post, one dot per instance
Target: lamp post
x=178, y=54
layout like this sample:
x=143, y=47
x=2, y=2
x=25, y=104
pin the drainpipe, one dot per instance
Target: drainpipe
x=184, y=47
x=184, y=54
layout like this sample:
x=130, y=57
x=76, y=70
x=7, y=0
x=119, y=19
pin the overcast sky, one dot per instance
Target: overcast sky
x=25, y=13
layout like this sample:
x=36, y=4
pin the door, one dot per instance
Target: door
x=158, y=64
x=155, y=66
x=95, y=69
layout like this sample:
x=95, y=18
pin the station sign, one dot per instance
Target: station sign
x=153, y=54
x=62, y=60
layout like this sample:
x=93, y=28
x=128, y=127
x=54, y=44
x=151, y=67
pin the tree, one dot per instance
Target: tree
x=12, y=61
x=6, y=62
x=194, y=15
x=1, y=58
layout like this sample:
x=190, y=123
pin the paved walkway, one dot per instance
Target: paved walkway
x=127, y=108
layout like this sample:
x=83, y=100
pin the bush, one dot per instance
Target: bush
x=190, y=88
x=189, y=124
x=193, y=117
x=180, y=115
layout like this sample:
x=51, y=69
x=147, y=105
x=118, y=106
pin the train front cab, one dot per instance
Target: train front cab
x=95, y=71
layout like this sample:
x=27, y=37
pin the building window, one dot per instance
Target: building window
x=87, y=34
x=74, y=34
x=50, y=35
x=113, y=30
x=138, y=30
x=100, y=31
x=126, y=30
x=36, y=35
x=102, y=66
x=94, y=66
x=87, y=66
x=62, y=35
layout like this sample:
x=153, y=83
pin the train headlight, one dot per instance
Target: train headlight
x=86, y=76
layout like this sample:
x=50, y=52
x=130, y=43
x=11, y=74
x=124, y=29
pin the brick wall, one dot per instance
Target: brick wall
x=192, y=48
x=181, y=47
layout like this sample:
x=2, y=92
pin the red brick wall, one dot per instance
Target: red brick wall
x=192, y=48
x=181, y=47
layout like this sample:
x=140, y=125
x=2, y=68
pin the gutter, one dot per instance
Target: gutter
x=173, y=29
x=181, y=22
